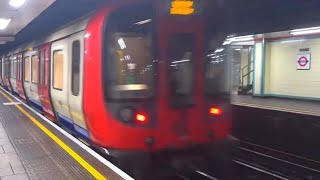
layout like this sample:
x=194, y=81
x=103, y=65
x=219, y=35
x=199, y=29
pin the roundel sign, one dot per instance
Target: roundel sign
x=303, y=61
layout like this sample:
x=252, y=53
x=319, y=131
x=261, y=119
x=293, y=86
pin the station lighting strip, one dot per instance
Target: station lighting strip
x=305, y=31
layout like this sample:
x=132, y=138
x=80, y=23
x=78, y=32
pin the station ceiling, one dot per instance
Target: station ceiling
x=19, y=16
x=35, y=19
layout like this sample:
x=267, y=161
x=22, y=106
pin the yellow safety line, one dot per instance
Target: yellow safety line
x=65, y=147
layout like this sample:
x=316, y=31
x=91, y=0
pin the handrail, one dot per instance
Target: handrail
x=246, y=65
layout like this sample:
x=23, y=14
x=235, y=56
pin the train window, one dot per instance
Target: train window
x=58, y=61
x=216, y=72
x=11, y=68
x=35, y=69
x=75, y=71
x=181, y=70
x=14, y=74
x=128, y=47
x=45, y=70
x=41, y=72
x=27, y=68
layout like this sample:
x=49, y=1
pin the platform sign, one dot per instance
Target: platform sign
x=304, y=61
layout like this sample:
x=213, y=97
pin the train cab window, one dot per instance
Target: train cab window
x=216, y=72
x=27, y=68
x=129, y=56
x=181, y=64
x=58, y=61
x=75, y=71
x=35, y=69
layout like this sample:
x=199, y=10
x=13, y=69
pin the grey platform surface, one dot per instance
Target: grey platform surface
x=26, y=152
x=280, y=104
x=11, y=167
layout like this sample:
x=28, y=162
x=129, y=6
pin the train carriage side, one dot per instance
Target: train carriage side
x=30, y=81
x=13, y=74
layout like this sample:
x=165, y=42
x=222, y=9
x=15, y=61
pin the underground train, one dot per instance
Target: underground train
x=131, y=80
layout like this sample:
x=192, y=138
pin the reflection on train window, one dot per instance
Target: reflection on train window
x=27, y=68
x=130, y=68
x=35, y=67
x=14, y=75
x=75, y=77
x=181, y=68
x=216, y=72
x=45, y=70
x=58, y=59
x=41, y=67
x=11, y=68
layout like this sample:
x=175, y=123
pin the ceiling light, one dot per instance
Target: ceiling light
x=4, y=23
x=242, y=38
x=304, y=31
x=16, y=3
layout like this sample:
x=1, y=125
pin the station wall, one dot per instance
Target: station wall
x=281, y=77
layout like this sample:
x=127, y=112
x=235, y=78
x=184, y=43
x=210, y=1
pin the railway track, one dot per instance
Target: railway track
x=278, y=164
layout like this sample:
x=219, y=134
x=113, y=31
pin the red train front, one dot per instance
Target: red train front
x=138, y=82
x=144, y=84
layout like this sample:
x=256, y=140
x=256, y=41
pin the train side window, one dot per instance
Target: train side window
x=58, y=61
x=35, y=69
x=27, y=69
x=14, y=68
x=41, y=72
x=75, y=77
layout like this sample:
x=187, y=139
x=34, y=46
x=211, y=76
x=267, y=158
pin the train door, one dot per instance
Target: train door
x=20, y=77
x=43, y=86
x=181, y=49
x=59, y=82
x=8, y=73
x=75, y=85
x=31, y=68
x=13, y=74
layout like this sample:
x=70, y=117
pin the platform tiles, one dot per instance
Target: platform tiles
x=31, y=148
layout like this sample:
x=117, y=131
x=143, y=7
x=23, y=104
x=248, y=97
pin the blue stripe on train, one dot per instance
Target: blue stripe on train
x=36, y=105
x=79, y=131
x=16, y=94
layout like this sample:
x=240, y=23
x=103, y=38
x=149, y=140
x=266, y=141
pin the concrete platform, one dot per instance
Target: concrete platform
x=28, y=152
x=306, y=107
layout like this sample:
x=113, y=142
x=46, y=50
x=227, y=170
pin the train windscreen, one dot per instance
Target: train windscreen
x=129, y=57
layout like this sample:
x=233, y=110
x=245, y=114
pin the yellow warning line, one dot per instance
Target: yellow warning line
x=64, y=146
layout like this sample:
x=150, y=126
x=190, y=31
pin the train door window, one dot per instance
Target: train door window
x=46, y=74
x=11, y=68
x=18, y=70
x=35, y=69
x=181, y=70
x=27, y=68
x=128, y=47
x=75, y=71
x=14, y=68
x=41, y=72
x=58, y=62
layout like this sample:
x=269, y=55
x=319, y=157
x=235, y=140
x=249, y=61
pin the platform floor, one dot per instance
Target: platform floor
x=28, y=152
x=278, y=104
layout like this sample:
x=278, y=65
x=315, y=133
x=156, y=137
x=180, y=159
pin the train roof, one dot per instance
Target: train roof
x=73, y=27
